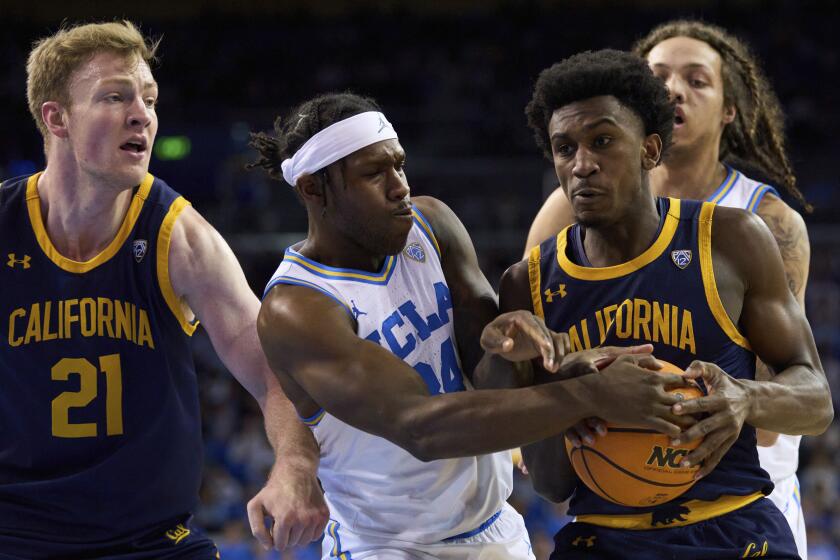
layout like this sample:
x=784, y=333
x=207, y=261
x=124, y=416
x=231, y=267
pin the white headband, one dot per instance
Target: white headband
x=336, y=141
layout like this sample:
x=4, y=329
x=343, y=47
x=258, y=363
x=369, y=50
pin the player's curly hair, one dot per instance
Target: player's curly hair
x=301, y=124
x=622, y=75
x=755, y=139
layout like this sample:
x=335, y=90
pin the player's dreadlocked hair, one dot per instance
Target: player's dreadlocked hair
x=755, y=139
x=591, y=74
x=302, y=123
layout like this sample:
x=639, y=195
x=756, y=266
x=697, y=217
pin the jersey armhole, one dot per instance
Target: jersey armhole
x=164, y=282
x=535, y=281
x=709, y=284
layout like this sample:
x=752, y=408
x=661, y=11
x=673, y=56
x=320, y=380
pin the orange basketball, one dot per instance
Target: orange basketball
x=633, y=466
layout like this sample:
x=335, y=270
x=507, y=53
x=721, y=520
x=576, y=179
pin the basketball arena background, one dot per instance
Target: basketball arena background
x=454, y=77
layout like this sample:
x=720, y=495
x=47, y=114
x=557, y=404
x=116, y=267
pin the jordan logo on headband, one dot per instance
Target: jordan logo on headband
x=382, y=124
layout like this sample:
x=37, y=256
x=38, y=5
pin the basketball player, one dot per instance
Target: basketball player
x=703, y=283
x=105, y=274
x=728, y=121
x=360, y=323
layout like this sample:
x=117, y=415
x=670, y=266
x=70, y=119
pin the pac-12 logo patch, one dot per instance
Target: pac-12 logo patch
x=416, y=252
x=681, y=258
x=138, y=247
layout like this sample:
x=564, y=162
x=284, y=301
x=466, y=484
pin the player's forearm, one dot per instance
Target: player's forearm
x=494, y=372
x=293, y=443
x=549, y=468
x=797, y=401
x=493, y=420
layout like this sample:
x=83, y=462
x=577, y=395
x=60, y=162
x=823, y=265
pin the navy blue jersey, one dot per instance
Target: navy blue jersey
x=666, y=296
x=101, y=434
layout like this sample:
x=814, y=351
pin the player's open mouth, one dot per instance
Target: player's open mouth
x=136, y=146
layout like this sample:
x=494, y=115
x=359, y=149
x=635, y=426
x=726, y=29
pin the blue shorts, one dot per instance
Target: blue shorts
x=172, y=541
x=755, y=530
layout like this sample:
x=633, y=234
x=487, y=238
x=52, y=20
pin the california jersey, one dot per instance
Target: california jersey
x=738, y=191
x=373, y=486
x=101, y=435
x=666, y=296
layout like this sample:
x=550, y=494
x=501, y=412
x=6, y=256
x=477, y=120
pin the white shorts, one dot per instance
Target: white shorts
x=504, y=539
x=787, y=499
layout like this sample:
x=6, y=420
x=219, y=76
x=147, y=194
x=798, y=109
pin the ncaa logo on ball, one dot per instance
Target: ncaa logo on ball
x=681, y=258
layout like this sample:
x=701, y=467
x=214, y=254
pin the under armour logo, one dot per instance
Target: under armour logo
x=383, y=124
x=177, y=534
x=588, y=541
x=549, y=295
x=13, y=260
x=356, y=311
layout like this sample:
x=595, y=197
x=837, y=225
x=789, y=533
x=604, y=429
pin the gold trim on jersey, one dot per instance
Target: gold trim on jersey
x=709, y=284
x=685, y=513
x=164, y=239
x=534, y=279
x=33, y=204
x=605, y=273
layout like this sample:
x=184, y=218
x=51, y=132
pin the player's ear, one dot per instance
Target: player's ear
x=651, y=151
x=54, y=117
x=311, y=190
x=729, y=113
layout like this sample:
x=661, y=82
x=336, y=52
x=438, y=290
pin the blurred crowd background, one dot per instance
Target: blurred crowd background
x=454, y=78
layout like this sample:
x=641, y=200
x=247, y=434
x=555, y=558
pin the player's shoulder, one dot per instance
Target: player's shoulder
x=12, y=189
x=783, y=220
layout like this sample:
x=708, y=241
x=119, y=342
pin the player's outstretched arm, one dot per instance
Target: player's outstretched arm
x=555, y=214
x=797, y=399
x=311, y=338
x=791, y=235
x=207, y=277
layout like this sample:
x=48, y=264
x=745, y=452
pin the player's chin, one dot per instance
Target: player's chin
x=393, y=244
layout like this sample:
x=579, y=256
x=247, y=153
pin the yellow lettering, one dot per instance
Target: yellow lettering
x=123, y=320
x=144, y=335
x=609, y=320
x=105, y=316
x=33, y=329
x=87, y=312
x=47, y=312
x=574, y=339
x=687, y=332
x=641, y=319
x=60, y=316
x=133, y=322
x=624, y=319
x=584, y=329
x=661, y=328
x=674, y=313
x=70, y=317
x=602, y=328
x=20, y=312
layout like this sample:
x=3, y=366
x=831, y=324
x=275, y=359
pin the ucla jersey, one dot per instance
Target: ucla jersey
x=739, y=191
x=373, y=486
x=667, y=297
x=101, y=434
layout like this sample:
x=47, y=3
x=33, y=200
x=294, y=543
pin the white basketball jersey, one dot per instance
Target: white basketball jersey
x=373, y=486
x=738, y=191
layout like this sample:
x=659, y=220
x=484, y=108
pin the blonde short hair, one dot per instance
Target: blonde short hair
x=53, y=59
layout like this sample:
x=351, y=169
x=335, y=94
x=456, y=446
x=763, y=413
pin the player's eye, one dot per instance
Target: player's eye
x=602, y=141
